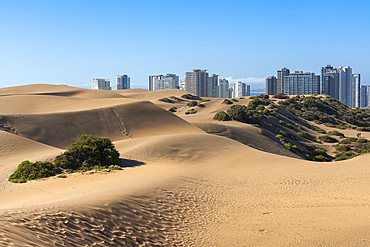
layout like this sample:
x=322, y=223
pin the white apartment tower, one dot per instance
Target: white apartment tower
x=101, y=84
x=223, y=85
x=164, y=83
x=213, y=87
x=183, y=84
x=356, y=90
x=122, y=82
x=240, y=89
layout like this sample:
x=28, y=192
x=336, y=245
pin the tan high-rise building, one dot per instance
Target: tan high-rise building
x=197, y=82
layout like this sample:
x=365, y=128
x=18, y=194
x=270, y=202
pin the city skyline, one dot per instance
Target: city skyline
x=66, y=43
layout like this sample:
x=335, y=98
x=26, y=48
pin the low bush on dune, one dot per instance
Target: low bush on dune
x=227, y=102
x=204, y=100
x=88, y=152
x=335, y=133
x=242, y=114
x=221, y=116
x=191, y=111
x=192, y=103
x=190, y=96
x=173, y=109
x=30, y=171
x=327, y=138
x=280, y=96
x=166, y=100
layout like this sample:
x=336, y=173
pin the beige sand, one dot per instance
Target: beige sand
x=189, y=180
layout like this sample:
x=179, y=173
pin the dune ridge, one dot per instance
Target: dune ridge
x=187, y=180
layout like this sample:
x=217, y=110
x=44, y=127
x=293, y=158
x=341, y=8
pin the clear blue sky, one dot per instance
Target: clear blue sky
x=72, y=42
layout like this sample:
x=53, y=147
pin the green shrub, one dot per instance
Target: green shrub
x=343, y=148
x=281, y=137
x=173, y=109
x=360, y=129
x=204, y=100
x=280, y=96
x=348, y=140
x=227, y=102
x=190, y=96
x=88, y=152
x=192, y=103
x=166, y=100
x=62, y=176
x=191, y=111
x=288, y=135
x=260, y=108
x=242, y=114
x=234, y=100
x=290, y=126
x=282, y=122
x=335, y=133
x=317, y=121
x=201, y=105
x=327, y=138
x=276, y=110
x=241, y=98
x=291, y=147
x=114, y=167
x=221, y=116
x=31, y=171
x=302, y=134
x=361, y=140
x=321, y=158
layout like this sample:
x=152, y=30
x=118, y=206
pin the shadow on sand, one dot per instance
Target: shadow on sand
x=130, y=163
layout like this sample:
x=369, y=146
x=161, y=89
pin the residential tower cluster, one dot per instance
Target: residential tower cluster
x=339, y=83
x=122, y=82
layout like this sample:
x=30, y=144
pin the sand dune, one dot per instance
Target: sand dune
x=189, y=181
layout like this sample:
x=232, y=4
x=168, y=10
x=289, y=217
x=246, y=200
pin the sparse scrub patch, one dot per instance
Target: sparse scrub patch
x=31, y=171
x=327, y=138
x=335, y=133
x=190, y=96
x=204, y=100
x=192, y=103
x=191, y=111
x=227, y=102
x=173, y=109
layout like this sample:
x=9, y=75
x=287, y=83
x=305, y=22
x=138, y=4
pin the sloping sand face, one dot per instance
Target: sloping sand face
x=181, y=186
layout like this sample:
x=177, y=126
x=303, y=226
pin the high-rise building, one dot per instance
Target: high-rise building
x=271, y=84
x=345, y=85
x=330, y=81
x=197, y=82
x=213, y=87
x=230, y=92
x=364, y=100
x=281, y=74
x=152, y=78
x=101, y=84
x=301, y=83
x=182, y=84
x=161, y=83
x=223, y=85
x=240, y=89
x=356, y=91
x=122, y=82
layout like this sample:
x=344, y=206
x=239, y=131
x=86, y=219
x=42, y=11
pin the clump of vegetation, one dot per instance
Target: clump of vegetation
x=281, y=137
x=191, y=111
x=280, y=96
x=190, y=96
x=348, y=140
x=201, y=105
x=275, y=109
x=343, y=148
x=282, y=122
x=291, y=147
x=363, y=129
x=88, y=152
x=303, y=134
x=167, y=100
x=31, y=171
x=316, y=154
x=345, y=156
x=221, y=116
x=243, y=114
x=227, y=102
x=61, y=176
x=288, y=135
x=326, y=110
x=173, y=109
x=335, y=133
x=176, y=99
x=327, y=138
x=192, y=103
x=241, y=98
x=204, y=100
x=318, y=129
x=234, y=100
